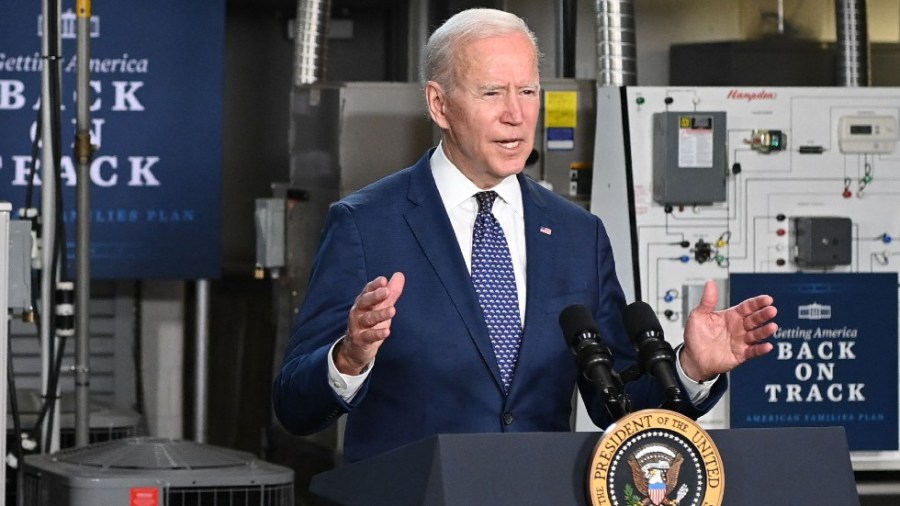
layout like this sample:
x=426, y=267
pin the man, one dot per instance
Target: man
x=424, y=348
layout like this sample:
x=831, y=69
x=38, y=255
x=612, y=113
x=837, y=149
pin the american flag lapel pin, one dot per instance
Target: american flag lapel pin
x=546, y=230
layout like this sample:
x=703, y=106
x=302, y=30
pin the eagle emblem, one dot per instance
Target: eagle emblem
x=655, y=469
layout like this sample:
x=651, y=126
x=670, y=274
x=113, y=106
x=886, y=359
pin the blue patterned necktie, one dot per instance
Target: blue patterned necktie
x=495, y=284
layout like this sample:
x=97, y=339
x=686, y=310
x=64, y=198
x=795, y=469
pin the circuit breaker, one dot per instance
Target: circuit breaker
x=689, y=157
x=822, y=241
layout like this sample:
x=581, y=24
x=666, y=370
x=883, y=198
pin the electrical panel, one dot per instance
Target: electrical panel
x=20, y=249
x=689, y=157
x=564, y=140
x=790, y=193
x=799, y=181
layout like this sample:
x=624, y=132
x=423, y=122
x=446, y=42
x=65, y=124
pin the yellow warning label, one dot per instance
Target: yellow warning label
x=560, y=109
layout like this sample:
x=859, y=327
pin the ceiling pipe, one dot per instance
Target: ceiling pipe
x=310, y=41
x=853, y=50
x=566, y=30
x=616, y=49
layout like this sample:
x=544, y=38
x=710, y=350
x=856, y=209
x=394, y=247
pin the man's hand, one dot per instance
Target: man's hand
x=369, y=324
x=716, y=342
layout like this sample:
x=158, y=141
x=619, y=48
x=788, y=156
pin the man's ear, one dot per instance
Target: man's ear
x=436, y=99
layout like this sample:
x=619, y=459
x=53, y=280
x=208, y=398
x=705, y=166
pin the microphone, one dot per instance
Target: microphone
x=655, y=355
x=593, y=358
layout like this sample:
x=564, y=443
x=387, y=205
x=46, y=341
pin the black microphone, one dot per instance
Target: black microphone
x=655, y=355
x=593, y=358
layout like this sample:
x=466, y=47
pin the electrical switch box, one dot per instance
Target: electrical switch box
x=689, y=157
x=270, y=232
x=20, y=246
x=822, y=241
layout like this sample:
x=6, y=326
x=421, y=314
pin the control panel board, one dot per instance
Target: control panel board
x=799, y=180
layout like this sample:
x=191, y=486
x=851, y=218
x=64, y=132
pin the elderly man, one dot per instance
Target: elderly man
x=464, y=266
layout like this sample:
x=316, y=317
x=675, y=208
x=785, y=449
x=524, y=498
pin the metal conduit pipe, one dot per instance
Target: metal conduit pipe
x=616, y=49
x=83, y=152
x=853, y=51
x=49, y=224
x=419, y=14
x=310, y=41
x=565, y=37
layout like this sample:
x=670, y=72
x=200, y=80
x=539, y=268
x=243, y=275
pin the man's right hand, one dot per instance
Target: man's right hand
x=369, y=324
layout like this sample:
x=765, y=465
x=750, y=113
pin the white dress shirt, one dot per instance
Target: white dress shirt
x=458, y=195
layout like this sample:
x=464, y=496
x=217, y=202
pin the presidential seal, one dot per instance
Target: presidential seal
x=656, y=457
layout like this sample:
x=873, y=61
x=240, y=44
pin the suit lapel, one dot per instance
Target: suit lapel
x=539, y=244
x=430, y=225
x=540, y=252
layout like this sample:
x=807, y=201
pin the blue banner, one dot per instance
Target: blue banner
x=156, y=110
x=835, y=357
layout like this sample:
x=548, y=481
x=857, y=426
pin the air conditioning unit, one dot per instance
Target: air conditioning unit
x=106, y=424
x=154, y=472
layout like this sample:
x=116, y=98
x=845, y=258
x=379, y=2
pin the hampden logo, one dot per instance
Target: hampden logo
x=69, y=25
x=750, y=96
x=656, y=457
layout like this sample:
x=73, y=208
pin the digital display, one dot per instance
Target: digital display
x=860, y=129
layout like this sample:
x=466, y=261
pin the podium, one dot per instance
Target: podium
x=762, y=466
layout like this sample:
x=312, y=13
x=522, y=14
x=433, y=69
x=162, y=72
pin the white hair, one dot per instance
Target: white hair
x=467, y=26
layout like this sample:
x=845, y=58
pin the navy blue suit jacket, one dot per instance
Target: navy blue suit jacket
x=436, y=372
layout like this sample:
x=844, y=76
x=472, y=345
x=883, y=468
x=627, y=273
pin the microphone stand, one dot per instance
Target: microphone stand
x=595, y=360
x=648, y=355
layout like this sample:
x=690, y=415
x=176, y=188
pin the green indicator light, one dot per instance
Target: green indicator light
x=640, y=100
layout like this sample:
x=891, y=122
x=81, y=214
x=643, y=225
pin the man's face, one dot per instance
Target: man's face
x=488, y=119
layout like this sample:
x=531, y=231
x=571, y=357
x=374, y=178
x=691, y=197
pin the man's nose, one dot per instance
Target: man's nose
x=512, y=114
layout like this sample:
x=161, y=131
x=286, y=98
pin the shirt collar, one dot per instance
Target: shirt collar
x=455, y=188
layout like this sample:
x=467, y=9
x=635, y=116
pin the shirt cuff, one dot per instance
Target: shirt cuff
x=345, y=385
x=697, y=391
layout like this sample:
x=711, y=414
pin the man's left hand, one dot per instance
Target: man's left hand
x=716, y=342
